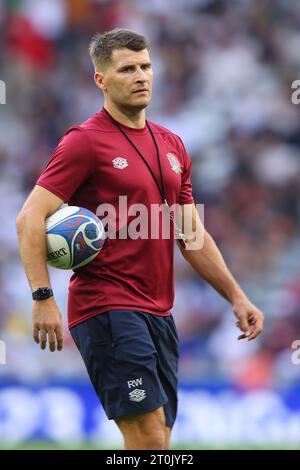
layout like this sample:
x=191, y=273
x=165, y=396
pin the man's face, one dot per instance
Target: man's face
x=127, y=80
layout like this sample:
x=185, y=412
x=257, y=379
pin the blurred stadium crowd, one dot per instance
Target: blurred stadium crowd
x=223, y=74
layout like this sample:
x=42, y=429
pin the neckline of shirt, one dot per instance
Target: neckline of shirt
x=129, y=130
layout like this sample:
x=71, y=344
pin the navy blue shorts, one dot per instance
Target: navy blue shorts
x=132, y=360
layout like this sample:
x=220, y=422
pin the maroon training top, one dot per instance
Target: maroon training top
x=95, y=164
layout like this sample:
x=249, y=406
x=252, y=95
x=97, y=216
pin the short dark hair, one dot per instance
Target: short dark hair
x=103, y=44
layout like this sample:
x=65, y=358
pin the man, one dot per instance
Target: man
x=119, y=304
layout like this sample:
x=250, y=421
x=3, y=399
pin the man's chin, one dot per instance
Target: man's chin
x=139, y=105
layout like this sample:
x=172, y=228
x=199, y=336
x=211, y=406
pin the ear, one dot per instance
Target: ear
x=98, y=77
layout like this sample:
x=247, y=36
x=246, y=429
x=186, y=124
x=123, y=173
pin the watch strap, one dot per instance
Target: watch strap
x=42, y=293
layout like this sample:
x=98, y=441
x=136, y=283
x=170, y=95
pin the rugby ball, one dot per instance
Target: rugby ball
x=75, y=236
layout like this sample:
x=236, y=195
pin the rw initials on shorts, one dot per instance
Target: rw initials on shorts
x=135, y=382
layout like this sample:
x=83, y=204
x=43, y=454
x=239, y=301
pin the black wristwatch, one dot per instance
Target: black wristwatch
x=42, y=293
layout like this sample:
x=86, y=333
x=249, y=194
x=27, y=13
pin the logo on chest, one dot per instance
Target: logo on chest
x=175, y=165
x=120, y=163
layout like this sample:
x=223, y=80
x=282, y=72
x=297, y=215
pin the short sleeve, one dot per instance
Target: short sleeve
x=186, y=192
x=71, y=163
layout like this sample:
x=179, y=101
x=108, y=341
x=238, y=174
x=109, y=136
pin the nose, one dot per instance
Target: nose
x=141, y=75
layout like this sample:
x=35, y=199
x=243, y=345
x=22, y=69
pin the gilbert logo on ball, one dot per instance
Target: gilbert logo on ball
x=75, y=236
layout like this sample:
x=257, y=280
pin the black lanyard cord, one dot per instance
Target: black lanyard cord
x=162, y=188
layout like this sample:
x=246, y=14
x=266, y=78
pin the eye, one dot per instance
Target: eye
x=127, y=69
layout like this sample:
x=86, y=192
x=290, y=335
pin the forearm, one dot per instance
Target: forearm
x=32, y=244
x=210, y=265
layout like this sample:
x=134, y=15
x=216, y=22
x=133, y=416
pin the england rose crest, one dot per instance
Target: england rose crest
x=174, y=162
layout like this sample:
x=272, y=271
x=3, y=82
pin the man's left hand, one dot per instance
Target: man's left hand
x=250, y=319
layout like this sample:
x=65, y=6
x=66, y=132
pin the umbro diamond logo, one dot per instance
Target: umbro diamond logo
x=120, y=163
x=137, y=395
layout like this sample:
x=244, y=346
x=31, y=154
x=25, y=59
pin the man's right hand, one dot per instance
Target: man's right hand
x=47, y=322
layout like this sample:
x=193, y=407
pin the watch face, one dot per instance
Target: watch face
x=43, y=293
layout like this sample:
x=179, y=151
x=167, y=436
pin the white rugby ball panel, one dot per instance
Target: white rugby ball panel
x=60, y=215
x=75, y=236
x=58, y=251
